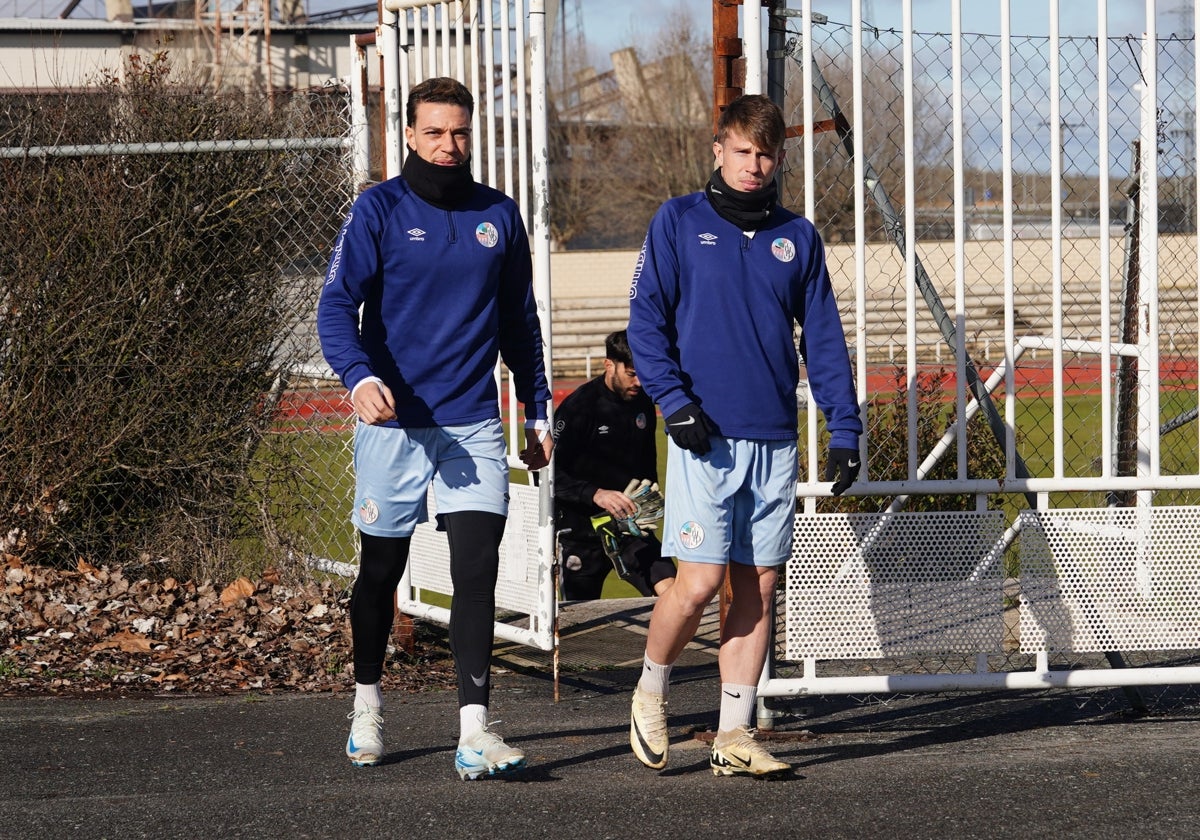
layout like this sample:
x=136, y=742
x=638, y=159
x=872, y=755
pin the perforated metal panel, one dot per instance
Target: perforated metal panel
x=517, y=587
x=864, y=586
x=1110, y=579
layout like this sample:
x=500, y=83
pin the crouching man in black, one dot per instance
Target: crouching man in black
x=605, y=486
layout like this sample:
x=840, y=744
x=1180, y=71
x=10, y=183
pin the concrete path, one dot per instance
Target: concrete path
x=998, y=765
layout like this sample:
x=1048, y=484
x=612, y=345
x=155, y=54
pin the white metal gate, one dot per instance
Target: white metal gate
x=419, y=39
x=966, y=267
x=1083, y=539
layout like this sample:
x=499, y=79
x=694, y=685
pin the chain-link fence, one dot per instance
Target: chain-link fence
x=315, y=418
x=1034, y=196
x=1044, y=193
x=164, y=396
x=288, y=443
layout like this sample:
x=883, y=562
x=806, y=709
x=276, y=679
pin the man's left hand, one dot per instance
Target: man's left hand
x=845, y=462
x=538, y=446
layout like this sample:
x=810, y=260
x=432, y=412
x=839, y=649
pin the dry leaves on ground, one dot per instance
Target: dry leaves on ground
x=93, y=630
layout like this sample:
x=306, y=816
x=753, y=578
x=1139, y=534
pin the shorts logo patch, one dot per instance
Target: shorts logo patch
x=487, y=235
x=368, y=511
x=783, y=250
x=691, y=535
x=640, y=422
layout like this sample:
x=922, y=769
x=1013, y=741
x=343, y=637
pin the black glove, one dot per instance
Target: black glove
x=690, y=427
x=846, y=462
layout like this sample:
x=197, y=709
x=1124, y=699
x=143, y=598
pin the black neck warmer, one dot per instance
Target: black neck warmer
x=444, y=187
x=747, y=210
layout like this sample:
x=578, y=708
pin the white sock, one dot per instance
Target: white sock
x=369, y=694
x=738, y=706
x=471, y=719
x=655, y=678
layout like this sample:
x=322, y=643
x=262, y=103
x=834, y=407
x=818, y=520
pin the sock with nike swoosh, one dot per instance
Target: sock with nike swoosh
x=474, y=540
x=655, y=679
x=738, y=706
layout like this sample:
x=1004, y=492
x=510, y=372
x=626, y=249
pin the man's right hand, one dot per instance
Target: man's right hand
x=690, y=427
x=373, y=403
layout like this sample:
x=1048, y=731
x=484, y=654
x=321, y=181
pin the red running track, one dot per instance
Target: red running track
x=328, y=409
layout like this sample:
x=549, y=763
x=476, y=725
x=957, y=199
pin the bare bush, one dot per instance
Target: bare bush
x=622, y=148
x=145, y=300
x=887, y=435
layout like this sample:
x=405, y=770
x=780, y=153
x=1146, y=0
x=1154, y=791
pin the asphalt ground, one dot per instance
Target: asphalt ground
x=998, y=764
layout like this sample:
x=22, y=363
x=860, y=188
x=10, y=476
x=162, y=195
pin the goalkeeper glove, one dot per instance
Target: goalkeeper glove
x=649, y=501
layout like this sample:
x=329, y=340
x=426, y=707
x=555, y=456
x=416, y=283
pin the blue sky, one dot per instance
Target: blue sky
x=611, y=24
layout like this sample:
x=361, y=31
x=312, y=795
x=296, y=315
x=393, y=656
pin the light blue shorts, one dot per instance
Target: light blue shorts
x=737, y=503
x=468, y=466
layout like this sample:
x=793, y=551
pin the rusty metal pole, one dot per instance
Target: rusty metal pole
x=729, y=74
x=729, y=65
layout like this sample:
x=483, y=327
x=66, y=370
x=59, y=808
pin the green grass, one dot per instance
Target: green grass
x=314, y=503
x=1082, y=443
x=321, y=512
x=11, y=669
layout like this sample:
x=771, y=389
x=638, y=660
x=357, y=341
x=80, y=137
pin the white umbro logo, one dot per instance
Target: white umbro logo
x=415, y=234
x=708, y=239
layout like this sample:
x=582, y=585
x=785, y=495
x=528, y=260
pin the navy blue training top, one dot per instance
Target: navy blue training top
x=443, y=292
x=712, y=313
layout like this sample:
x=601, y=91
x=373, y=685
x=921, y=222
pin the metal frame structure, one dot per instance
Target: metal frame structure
x=1092, y=580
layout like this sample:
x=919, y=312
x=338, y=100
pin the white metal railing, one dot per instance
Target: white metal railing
x=868, y=602
x=181, y=147
x=421, y=38
x=866, y=185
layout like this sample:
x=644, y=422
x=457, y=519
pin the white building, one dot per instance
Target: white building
x=231, y=49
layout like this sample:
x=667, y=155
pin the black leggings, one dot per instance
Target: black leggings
x=474, y=538
x=474, y=566
x=372, y=602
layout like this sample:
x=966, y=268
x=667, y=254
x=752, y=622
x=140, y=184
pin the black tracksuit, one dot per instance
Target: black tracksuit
x=600, y=442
